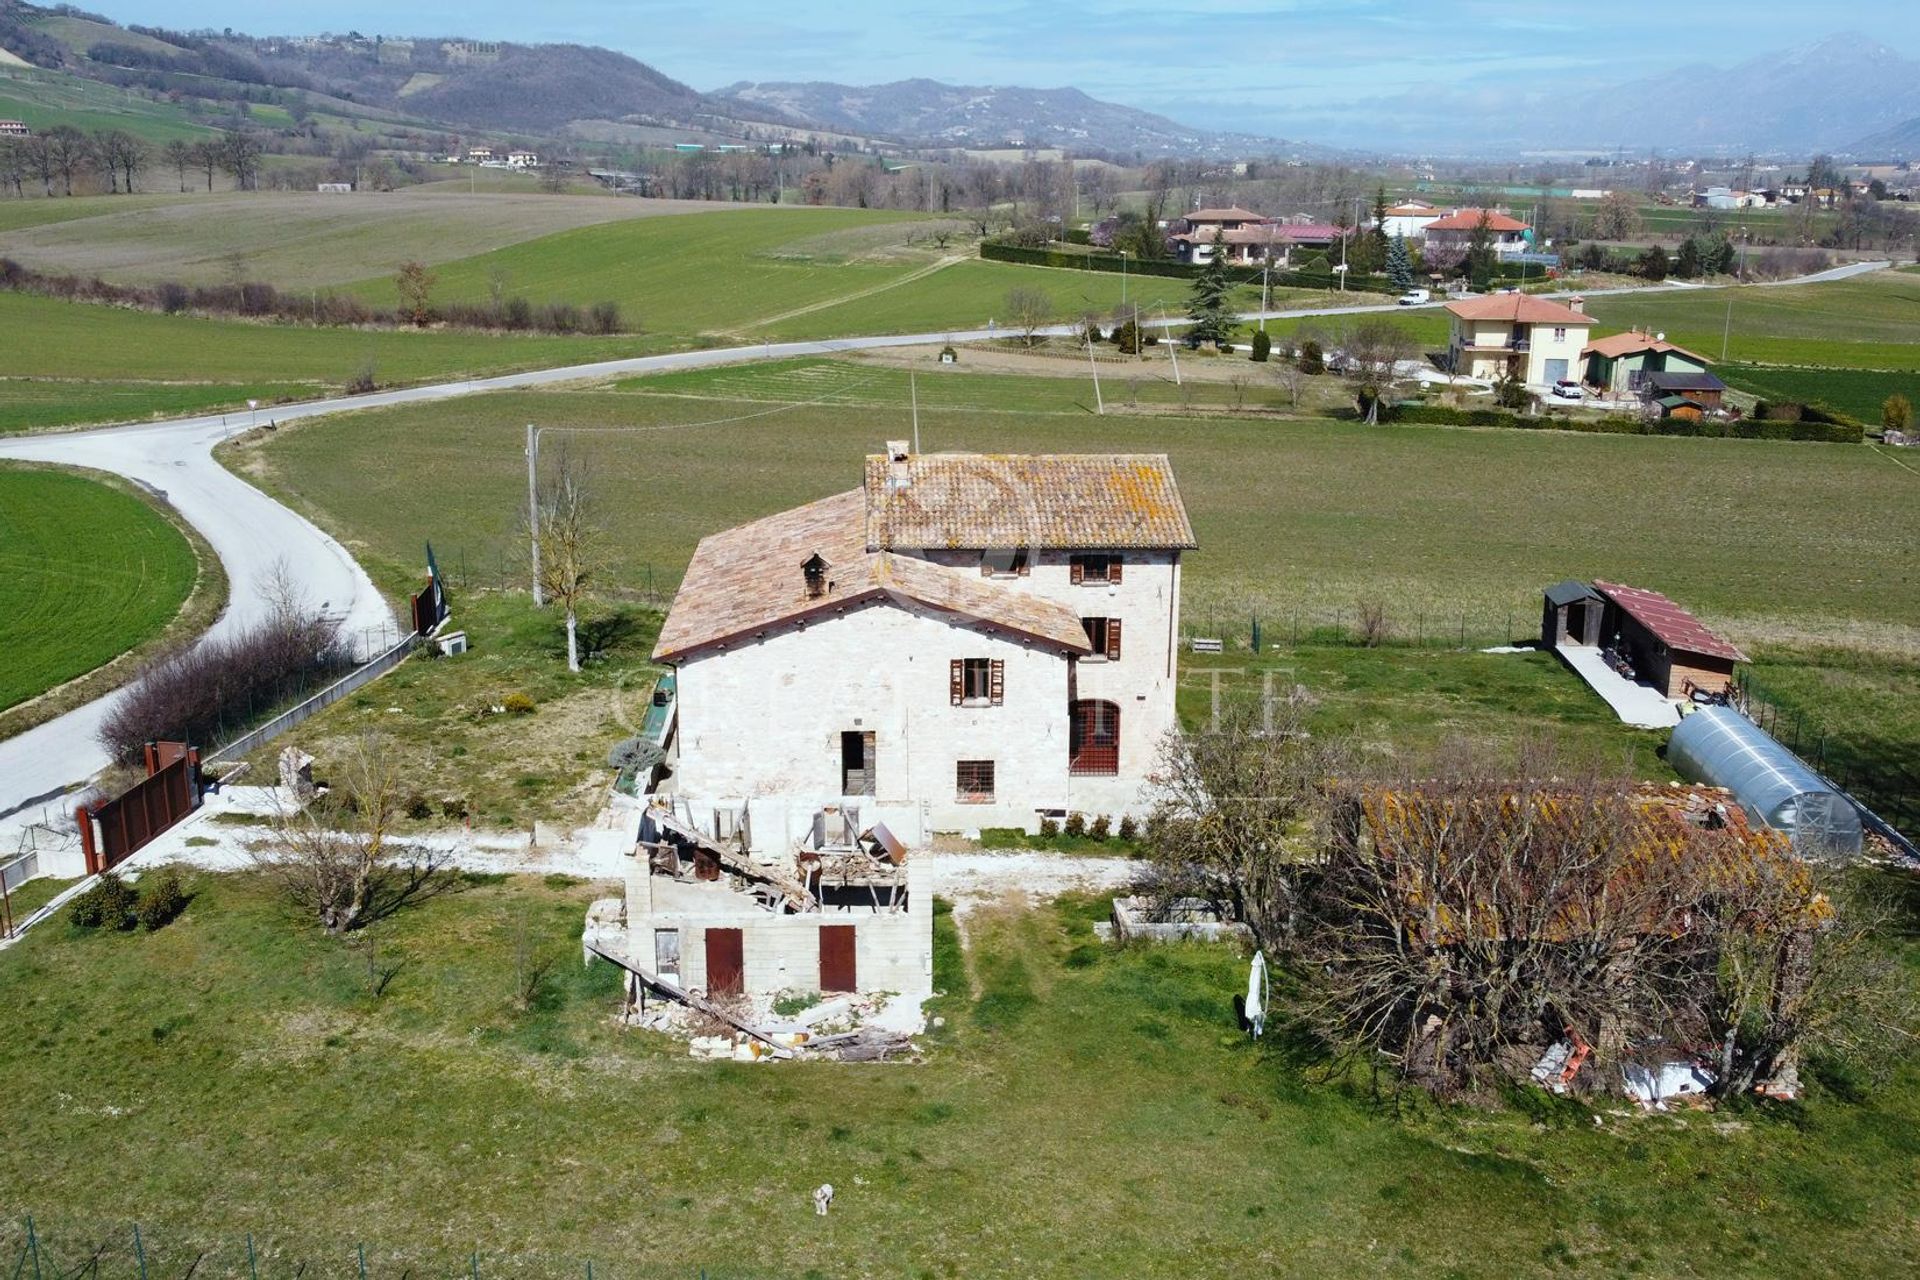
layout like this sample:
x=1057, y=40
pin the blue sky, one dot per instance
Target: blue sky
x=1281, y=67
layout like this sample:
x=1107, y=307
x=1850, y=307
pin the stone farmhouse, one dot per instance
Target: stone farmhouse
x=966, y=640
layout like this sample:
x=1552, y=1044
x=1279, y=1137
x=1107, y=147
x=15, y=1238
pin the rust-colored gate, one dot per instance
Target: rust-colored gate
x=113, y=829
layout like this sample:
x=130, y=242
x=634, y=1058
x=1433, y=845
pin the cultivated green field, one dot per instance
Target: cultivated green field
x=52, y=339
x=1867, y=322
x=1084, y=1112
x=87, y=572
x=1787, y=540
x=1855, y=391
x=293, y=240
x=47, y=98
x=28, y=404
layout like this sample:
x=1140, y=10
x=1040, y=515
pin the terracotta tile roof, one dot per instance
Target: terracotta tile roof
x=1233, y=213
x=1672, y=625
x=1009, y=501
x=1413, y=211
x=747, y=579
x=1624, y=344
x=1518, y=308
x=1468, y=219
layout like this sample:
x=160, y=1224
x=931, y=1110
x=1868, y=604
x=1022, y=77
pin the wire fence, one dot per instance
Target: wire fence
x=33, y=1248
x=1889, y=786
x=1359, y=624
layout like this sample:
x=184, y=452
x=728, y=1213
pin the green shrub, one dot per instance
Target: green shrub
x=518, y=704
x=1312, y=358
x=1100, y=828
x=162, y=897
x=453, y=807
x=1262, y=346
x=1049, y=828
x=109, y=904
x=1129, y=829
x=1076, y=825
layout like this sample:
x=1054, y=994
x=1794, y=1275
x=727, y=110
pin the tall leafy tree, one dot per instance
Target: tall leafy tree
x=1481, y=259
x=1207, y=305
x=1399, y=264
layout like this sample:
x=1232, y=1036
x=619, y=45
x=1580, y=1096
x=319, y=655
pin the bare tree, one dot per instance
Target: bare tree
x=13, y=166
x=179, y=154
x=1374, y=348
x=340, y=860
x=415, y=285
x=67, y=150
x=239, y=154
x=206, y=158
x=569, y=545
x=1232, y=808
x=1029, y=311
x=1292, y=377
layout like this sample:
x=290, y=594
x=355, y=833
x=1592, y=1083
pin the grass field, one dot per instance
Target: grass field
x=294, y=240
x=52, y=339
x=1292, y=516
x=1859, y=392
x=28, y=404
x=1867, y=322
x=89, y=572
x=47, y=98
x=237, y=1061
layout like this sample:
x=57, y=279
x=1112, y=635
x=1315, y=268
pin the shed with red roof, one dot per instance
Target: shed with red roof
x=1670, y=649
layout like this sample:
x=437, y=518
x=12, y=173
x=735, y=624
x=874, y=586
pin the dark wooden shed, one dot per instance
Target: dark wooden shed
x=1670, y=648
x=1572, y=614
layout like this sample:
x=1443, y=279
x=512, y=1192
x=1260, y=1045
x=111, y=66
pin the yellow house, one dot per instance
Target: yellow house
x=1539, y=341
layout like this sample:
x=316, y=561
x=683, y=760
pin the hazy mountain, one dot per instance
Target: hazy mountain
x=1902, y=142
x=929, y=112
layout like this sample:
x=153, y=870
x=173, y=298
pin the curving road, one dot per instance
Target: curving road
x=252, y=533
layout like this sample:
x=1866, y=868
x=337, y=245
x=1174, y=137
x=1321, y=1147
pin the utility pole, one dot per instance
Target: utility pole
x=1099, y=405
x=913, y=392
x=533, y=509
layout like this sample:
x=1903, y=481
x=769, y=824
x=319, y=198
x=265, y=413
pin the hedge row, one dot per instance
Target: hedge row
x=1620, y=424
x=1113, y=263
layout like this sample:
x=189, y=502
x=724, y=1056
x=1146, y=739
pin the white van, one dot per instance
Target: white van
x=1414, y=297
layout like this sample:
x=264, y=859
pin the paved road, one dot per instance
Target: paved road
x=252, y=533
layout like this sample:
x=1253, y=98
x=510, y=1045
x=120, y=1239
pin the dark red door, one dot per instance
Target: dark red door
x=837, y=971
x=726, y=963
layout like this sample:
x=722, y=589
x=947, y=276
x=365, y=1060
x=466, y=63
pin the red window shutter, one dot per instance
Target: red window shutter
x=956, y=681
x=1113, y=569
x=1113, y=639
x=997, y=682
x=1077, y=570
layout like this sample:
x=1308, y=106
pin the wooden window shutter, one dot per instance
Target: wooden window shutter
x=957, y=681
x=1113, y=569
x=1077, y=570
x=997, y=682
x=1113, y=639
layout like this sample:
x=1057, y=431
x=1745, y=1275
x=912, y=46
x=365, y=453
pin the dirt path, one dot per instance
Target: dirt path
x=921, y=274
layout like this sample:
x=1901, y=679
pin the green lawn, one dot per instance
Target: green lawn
x=1084, y=1112
x=87, y=572
x=47, y=98
x=1856, y=391
x=30, y=404
x=1867, y=322
x=1856, y=715
x=1294, y=517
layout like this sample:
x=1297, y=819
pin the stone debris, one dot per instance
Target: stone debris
x=296, y=777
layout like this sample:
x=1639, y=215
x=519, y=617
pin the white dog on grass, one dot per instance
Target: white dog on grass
x=822, y=1198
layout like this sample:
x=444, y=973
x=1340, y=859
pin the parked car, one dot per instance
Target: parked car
x=1414, y=297
x=1567, y=389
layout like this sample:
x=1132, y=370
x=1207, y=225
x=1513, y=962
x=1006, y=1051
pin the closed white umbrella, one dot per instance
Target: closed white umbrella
x=1257, y=995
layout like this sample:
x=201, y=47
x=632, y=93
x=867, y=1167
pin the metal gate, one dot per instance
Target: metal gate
x=116, y=828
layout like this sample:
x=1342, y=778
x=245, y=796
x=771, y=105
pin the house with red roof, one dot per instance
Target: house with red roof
x=1536, y=340
x=1670, y=649
x=1452, y=234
